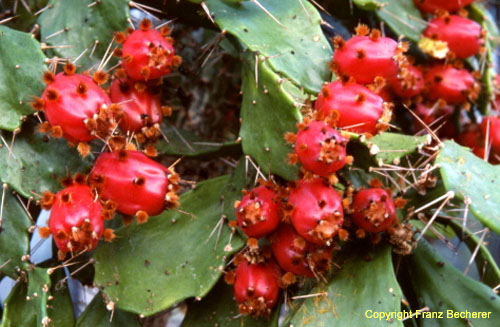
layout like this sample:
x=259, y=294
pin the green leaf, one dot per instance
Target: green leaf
x=402, y=16
x=483, y=17
x=472, y=178
x=153, y=266
x=391, y=147
x=60, y=308
x=14, y=239
x=297, y=48
x=37, y=164
x=362, y=287
x=220, y=309
x=96, y=315
x=75, y=26
x=442, y=287
x=269, y=110
x=486, y=265
x=26, y=305
x=21, y=70
x=185, y=143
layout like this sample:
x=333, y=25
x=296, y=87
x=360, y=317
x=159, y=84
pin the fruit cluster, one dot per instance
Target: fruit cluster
x=126, y=117
x=293, y=230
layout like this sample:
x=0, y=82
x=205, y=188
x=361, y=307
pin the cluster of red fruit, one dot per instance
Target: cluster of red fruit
x=126, y=118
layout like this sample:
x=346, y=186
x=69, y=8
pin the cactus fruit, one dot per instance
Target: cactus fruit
x=373, y=210
x=453, y=85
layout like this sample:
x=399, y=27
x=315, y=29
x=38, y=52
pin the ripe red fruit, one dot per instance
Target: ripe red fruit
x=431, y=6
x=76, y=220
x=256, y=287
x=316, y=210
x=455, y=86
x=373, y=210
x=140, y=107
x=134, y=182
x=69, y=100
x=366, y=57
x=436, y=116
x=320, y=149
x=493, y=131
x=146, y=54
x=359, y=109
x=258, y=212
x=462, y=35
x=294, y=254
x=408, y=83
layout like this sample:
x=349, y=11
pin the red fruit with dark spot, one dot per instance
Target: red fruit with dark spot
x=364, y=58
x=71, y=99
x=139, y=106
x=431, y=6
x=134, y=182
x=373, y=210
x=360, y=110
x=316, y=212
x=147, y=55
x=294, y=254
x=258, y=212
x=493, y=131
x=455, y=86
x=408, y=83
x=76, y=220
x=320, y=148
x=256, y=287
x=462, y=35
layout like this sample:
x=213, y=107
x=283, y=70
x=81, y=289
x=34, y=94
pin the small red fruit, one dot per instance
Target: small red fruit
x=134, y=182
x=76, y=220
x=69, y=100
x=365, y=57
x=147, y=55
x=256, y=287
x=294, y=254
x=320, y=149
x=258, y=212
x=373, y=210
x=431, y=6
x=359, y=109
x=455, y=86
x=316, y=210
x=408, y=83
x=436, y=116
x=493, y=131
x=140, y=107
x=462, y=35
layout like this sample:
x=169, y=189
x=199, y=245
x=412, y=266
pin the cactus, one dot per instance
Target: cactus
x=256, y=147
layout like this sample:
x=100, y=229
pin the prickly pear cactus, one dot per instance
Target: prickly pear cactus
x=249, y=163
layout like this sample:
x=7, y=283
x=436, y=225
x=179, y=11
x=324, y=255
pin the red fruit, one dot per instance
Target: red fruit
x=76, y=220
x=493, y=131
x=294, y=254
x=366, y=57
x=148, y=55
x=462, y=35
x=258, y=212
x=373, y=210
x=360, y=110
x=69, y=100
x=316, y=211
x=431, y=6
x=256, y=287
x=140, y=107
x=408, y=83
x=453, y=85
x=134, y=182
x=320, y=149
x=436, y=116
x=496, y=83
